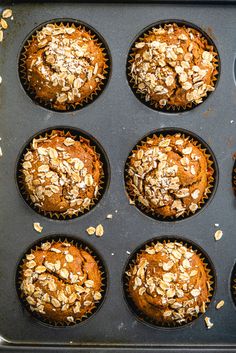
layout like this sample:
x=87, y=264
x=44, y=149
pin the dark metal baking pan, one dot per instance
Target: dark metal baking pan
x=117, y=119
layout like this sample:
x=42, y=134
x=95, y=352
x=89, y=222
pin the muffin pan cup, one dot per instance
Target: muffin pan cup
x=212, y=170
x=95, y=36
x=75, y=134
x=118, y=120
x=209, y=46
x=209, y=268
x=80, y=245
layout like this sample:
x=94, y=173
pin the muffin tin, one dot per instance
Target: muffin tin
x=117, y=120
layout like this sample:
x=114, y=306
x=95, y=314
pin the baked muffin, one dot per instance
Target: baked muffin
x=173, y=66
x=169, y=283
x=65, y=65
x=60, y=282
x=234, y=178
x=168, y=176
x=60, y=174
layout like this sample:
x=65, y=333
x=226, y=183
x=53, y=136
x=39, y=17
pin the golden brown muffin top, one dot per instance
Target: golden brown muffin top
x=173, y=66
x=65, y=64
x=60, y=282
x=169, y=282
x=168, y=175
x=61, y=174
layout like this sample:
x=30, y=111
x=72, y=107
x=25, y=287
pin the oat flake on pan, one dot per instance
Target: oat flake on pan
x=91, y=230
x=7, y=13
x=3, y=22
x=38, y=227
x=208, y=322
x=99, y=230
x=218, y=234
x=220, y=304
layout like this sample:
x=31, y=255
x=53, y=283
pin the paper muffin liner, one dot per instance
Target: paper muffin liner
x=97, y=38
x=168, y=108
x=76, y=135
x=209, y=268
x=80, y=245
x=211, y=171
x=233, y=284
x=234, y=178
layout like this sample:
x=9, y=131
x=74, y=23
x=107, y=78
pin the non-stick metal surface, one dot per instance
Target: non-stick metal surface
x=117, y=120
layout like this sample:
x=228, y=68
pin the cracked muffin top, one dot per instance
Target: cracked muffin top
x=61, y=174
x=60, y=282
x=169, y=283
x=168, y=176
x=173, y=66
x=65, y=65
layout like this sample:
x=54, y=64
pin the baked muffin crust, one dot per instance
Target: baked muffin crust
x=60, y=282
x=169, y=283
x=65, y=65
x=173, y=66
x=168, y=175
x=61, y=174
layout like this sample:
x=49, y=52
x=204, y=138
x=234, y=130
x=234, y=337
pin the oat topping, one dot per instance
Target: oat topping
x=109, y=216
x=61, y=174
x=38, y=227
x=61, y=285
x=65, y=64
x=169, y=282
x=168, y=175
x=173, y=65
